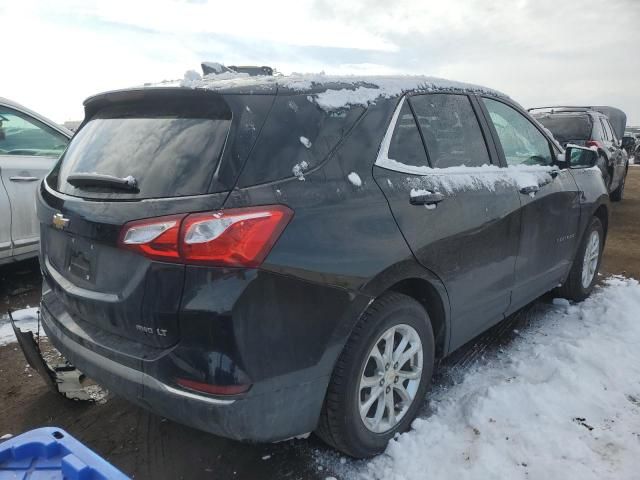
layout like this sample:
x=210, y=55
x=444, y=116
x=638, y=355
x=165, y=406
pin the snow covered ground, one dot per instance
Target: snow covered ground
x=561, y=401
x=26, y=319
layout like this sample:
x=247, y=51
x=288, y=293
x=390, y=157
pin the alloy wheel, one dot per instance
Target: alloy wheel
x=390, y=378
x=590, y=260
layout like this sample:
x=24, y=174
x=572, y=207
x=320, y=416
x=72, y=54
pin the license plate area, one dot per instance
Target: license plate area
x=81, y=259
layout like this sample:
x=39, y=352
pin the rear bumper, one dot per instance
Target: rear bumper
x=269, y=416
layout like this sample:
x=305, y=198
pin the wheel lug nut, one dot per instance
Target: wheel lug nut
x=395, y=380
x=382, y=382
x=395, y=366
x=388, y=389
x=386, y=367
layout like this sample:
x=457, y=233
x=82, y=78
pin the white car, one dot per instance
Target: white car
x=30, y=145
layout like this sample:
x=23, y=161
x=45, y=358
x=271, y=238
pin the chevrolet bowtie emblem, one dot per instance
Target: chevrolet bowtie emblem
x=59, y=221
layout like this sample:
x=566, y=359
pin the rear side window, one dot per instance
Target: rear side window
x=451, y=130
x=406, y=145
x=168, y=154
x=567, y=128
x=608, y=131
x=296, y=137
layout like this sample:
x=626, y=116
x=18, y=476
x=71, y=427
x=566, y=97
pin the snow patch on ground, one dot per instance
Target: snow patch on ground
x=355, y=179
x=561, y=401
x=26, y=319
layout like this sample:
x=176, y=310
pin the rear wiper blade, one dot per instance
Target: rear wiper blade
x=128, y=183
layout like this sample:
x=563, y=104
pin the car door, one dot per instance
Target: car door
x=550, y=207
x=5, y=222
x=28, y=150
x=459, y=220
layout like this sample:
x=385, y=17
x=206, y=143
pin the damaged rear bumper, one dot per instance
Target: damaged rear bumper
x=64, y=379
x=265, y=417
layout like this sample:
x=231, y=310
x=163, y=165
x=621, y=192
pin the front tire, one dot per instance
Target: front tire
x=584, y=271
x=380, y=379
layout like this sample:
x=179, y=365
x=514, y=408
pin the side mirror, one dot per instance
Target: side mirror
x=580, y=157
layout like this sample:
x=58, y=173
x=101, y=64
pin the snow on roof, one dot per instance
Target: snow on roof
x=329, y=92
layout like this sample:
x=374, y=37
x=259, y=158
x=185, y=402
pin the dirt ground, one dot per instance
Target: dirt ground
x=146, y=446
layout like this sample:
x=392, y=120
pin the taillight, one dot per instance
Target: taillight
x=594, y=143
x=239, y=237
x=156, y=238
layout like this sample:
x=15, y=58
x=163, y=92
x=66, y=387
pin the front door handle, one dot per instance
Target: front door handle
x=530, y=189
x=427, y=199
x=23, y=179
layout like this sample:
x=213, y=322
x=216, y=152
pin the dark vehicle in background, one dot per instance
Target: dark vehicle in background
x=592, y=127
x=261, y=259
x=629, y=145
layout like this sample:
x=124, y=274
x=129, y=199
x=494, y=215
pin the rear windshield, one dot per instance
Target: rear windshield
x=567, y=128
x=169, y=156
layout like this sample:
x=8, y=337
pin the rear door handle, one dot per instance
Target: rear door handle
x=528, y=190
x=427, y=199
x=23, y=179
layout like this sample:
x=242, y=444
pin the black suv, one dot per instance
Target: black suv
x=270, y=256
x=589, y=127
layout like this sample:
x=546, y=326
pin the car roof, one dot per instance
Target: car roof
x=330, y=92
x=21, y=108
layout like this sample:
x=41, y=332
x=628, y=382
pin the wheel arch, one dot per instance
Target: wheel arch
x=427, y=295
x=412, y=279
x=602, y=213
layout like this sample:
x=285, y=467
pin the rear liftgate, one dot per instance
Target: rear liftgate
x=62, y=378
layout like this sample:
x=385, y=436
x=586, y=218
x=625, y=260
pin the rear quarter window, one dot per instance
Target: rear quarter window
x=296, y=137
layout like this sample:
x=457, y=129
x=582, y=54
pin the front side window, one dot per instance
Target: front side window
x=451, y=130
x=522, y=142
x=23, y=135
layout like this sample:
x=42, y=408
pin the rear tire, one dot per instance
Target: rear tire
x=584, y=271
x=346, y=422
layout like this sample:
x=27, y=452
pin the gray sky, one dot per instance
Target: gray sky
x=540, y=52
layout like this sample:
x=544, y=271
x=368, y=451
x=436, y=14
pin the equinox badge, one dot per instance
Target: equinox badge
x=59, y=221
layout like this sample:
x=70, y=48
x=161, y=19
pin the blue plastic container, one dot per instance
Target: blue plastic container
x=52, y=454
